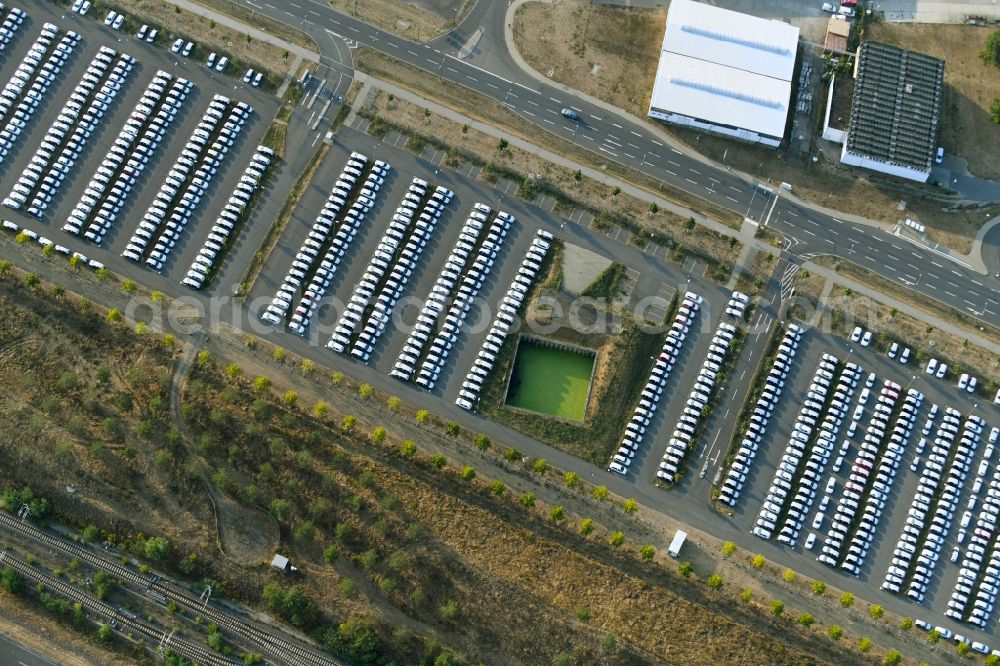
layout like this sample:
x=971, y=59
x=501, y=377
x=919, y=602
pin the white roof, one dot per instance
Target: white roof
x=726, y=67
x=280, y=562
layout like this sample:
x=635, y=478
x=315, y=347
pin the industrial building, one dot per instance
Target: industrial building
x=895, y=107
x=725, y=72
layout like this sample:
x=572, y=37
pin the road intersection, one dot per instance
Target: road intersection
x=809, y=231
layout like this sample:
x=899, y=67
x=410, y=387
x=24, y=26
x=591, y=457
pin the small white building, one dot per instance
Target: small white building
x=725, y=72
x=281, y=563
x=894, y=113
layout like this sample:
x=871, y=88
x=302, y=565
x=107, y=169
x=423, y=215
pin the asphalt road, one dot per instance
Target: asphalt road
x=809, y=232
x=13, y=654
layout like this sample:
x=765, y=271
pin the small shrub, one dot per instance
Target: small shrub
x=527, y=500
x=746, y=594
x=758, y=562
x=777, y=607
x=818, y=587
x=865, y=644
x=557, y=513
x=468, y=474
x=586, y=526
x=497, y=487
x=728, y=549
x=630, y=506
x=788, y=575
x=806, y=620
x=715, y=582
x=876, y=611
x=617, y=539
x=647, y=552
x=835, y=632
x=408, y=448
x=600, y=492
x=847, y=600
x=685, y=569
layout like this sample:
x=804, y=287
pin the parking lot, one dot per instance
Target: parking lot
x=655, y=284
x=81, y=160
x=848, y=482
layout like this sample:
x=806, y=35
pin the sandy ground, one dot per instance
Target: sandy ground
x=580, y=267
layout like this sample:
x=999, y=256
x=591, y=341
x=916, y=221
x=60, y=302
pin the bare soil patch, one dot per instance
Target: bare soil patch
x=400, y=17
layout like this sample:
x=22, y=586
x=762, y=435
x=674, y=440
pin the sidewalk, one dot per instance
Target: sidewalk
x=235, y=24
x=916, y=313
x=600, y=176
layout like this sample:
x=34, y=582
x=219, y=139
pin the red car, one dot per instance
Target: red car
x=848, y=3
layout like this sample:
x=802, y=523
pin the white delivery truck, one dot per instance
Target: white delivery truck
x=678, y=541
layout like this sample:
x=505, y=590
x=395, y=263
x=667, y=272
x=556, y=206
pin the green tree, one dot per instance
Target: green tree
x=586, y=526
x=728, y=549
x=129, y=286
x=806, y=620
x=321, y=409
x=113, y=316
x=630, y=506
x=366, y=391
x=104, y=632
x=308, y=367
x=290, y=398
x=379, y=435
x=103, y=583
x=91, y=533
x=336, y=378
x=788, y=575
x=528, y=500
x=512, y=454
x=746, y=594
x=963, y=649
x=990, y=53
x=571, y=479
x=647, y=552
x=583, y=614
x=685, y=569
x=846, y=599
x=876, y=611
x=102, y=274
x=892, y=658
x=482, y=442
x=777, y=607
x=906, y=624
x=453, y=428
x=600, y=492
x=502, y=145
x=278, y=354
x=557, y=513
x=448, y=610
x=468, y=474
x=865, y=644
x=440, y=461
x=497, y=487
x=540, y=466
x=331, y=554
x=835, y=632
x=261, y=383
x=933, y=635
x=156, y=548
x=715, y=582
x=408, y=448
x=394, y=403
x=305, y=531
x=758, y=562
x=348, y=423
x=423, y=416
x=233, y=371
x=11, y=581
x=818, y=587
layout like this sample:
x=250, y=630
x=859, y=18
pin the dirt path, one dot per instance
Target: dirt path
x=245, y=535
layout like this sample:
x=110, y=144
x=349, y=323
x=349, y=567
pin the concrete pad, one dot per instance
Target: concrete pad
x=581, y=267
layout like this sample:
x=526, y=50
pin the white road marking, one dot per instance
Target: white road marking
x=691, y=181
x=630, y=156
x=934, y=263
x=617, y=125
x=607, y=151
x=809, y=232
x=657, y=143
x=670, y=172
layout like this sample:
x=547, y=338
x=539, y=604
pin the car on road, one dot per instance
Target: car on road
x=571, y=114
x=939, y=156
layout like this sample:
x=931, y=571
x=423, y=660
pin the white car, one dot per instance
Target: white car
x=866, y=339
x=810, y=541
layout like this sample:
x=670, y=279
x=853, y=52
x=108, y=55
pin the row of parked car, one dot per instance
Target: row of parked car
x=459, y=277
x=187, y=180
x=389, y=269
x=921, y=519
x=81, y=7
x=822, y=449
x=348, y=229
x=802, y=435
x=24, y=103
x=10, y=25
x=114, y=20
x=651, y=393
x=406, y=261
x=504, y=319
x=68, y=134
x=774, y=384
x=181, y=47
x=343, y=191
x=232, y=214
x=12, y=227
x=873, y=470
x=683, y=437
x=128, y=156
x=970, y=601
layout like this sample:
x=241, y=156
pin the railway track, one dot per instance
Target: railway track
x=198, y=653
x=283, y=650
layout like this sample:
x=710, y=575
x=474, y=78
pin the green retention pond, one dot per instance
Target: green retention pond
x=550, y=381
